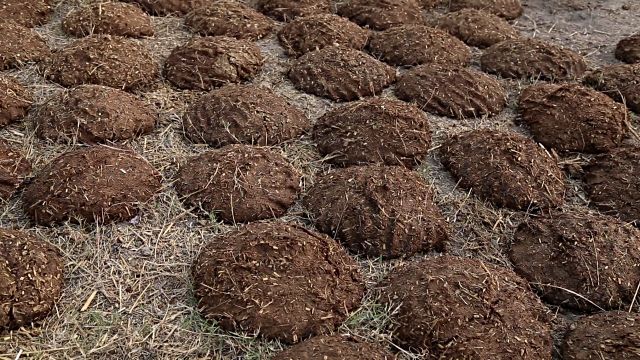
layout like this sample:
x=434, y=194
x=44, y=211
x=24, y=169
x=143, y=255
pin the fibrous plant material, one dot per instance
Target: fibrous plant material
x=229, y=18
x=619, y=82
x=628, y=49
x=288, y=10
x=381, y=14
x=335, y=347
x=14, y=168
x=29, y=13
x=112, y=18
x=20, y=45
x=15, y=100
x=170, y=7
x=508, y=9
x=477, y=27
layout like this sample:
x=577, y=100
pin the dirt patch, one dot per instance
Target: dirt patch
x=377, y=211
x=20, y=45
x=205, y=63
x=108, y=18
x=557, y=117
x=477, y=27
x=106, y=60
x=609, y=335
x=506, y=168
x=169, y=7
x=525, y=58
x=26, y=13
x=459, y=308
x=377, y=130
x=335, y=347
x=239, y=183
x=612, y=183
x=318, y=31
x=15, y=100
x=620, y=82
x=97, y=183
x=14, y=168
x=340, y=74
x=288, y=10
x=595, y=256
x=281, y=280
x=93, y=114
x=453, y=92
x=508, y=9
x=229, y=18
x=418, y=44
x=382, y=14
x=628, y=49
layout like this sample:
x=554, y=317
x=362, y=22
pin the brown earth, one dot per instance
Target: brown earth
x=98, y=183
x=453, y=92
x=278, y=279
x=476, y=27
x=93, y=114
x=335, y=347
x=374, y=131
x=377, y=211
x=229, y=18
x=318, y=31
x=239, y=183
x=381, y=14
x=460, y=308
x=246, y=114
x=27, y=13
x=111, y=18
x=169, y=7
x=609, y=335
x=408, y=45
x=31, y=278
x=508, y=9
x=620, y=82
x=288, y=10
x=557, y=117
x=205, y=63
x=15, y=100
x=340, y=74
x=564, y=254
x=14, y=168
x=525, y=58
x=505, y=168
x=106, y=60
x=20, y=45
x=628, y=49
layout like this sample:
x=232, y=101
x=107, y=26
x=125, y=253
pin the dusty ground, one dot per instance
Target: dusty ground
x=128, y=292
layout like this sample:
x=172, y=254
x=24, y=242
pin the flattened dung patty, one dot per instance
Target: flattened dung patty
x=477, y=27
x=20, y=45
x=628, y=49
x=506, y=168
x=613, y=183
x=205, y=63
x=340, y=74
x=106, y=60
x=419, y=44
x=374, y=131
x=93, y=114
x=620, y=82
x=336, y=347
x=229, y=18
x=508, y=9
x=239, y=183
x=26, y=13
x=96, y=183
x=375, y=211
x=31, y=278
x=170, y=7
x=15, y=100
x=453, y=92
x=288, y=10
x=281, y=280
x=381, y=14
x=557, y=117
x=246, y=114
x=112, y=18
x=460, y=308
x=14, y=168
x=524, y=58
x=564, y=254
x=318, y=31
x=611, y=335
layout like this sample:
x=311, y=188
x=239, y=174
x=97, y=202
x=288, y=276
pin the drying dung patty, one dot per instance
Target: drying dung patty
x=628, y=49
x=376, y=130
x=29, y=13
x=113, y=18
x=14, y=168
x=506, y=168
x=318, y=31
x=340, y=74
x=560, y=254
x=239, y=183
x=170, y=7
x=31, y=278
x=106, y=60
x=229, y=18
x=246, y=114
x=611, y=335
x=508, y=9
x=20, y=45
x=335, y=347
x=557, y=117
x=453, y=92
x=15, y=100
x=460, y=308
x=288, y=10
x=477, y=27
x=93, y=114
x=205, y=63
x=524, y=58
x=276, y=279
x=377, y=211
x=620, y=82
x=381, y=14
x=97, y=183
x=418, y=44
